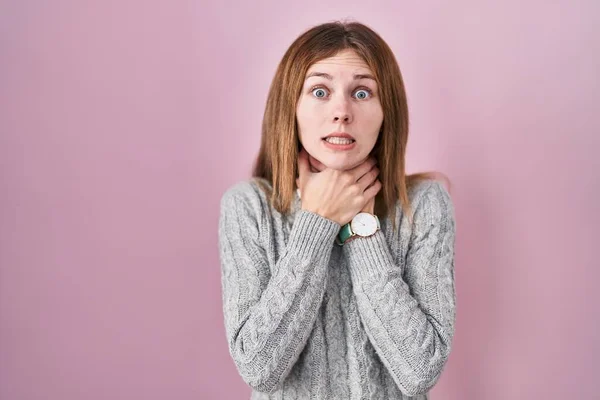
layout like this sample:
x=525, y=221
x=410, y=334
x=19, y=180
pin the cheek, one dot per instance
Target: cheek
x=375, y=119
x=303, y=114
x=300, y=121
x=307, y=117
x=376, y=112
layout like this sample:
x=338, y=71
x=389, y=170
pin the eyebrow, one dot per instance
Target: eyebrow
x=327, y=76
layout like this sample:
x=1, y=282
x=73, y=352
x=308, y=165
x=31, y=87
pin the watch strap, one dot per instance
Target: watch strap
x=345, y=234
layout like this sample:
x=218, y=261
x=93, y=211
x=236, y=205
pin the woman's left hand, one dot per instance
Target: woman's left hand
x=317, y=166
x=369, y=207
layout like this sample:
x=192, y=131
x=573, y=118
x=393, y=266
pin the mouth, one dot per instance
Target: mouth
x=339, y=138
x=339, y=143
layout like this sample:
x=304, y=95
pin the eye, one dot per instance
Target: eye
x=319, y=90
x=363, y=93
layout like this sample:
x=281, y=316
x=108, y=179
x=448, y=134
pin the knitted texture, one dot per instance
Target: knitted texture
x=308, y=319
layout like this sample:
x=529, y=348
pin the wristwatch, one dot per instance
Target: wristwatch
x=362, y=225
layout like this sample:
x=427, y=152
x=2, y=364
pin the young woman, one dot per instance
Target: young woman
x=337, y=268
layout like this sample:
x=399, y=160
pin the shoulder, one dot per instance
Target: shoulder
x=428, y=189
x=431, y=202
x=247, y=196
x=246, y=190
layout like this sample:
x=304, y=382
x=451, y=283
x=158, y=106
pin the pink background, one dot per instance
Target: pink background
x=122, y=122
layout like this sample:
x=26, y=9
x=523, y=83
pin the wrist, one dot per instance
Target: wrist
x=363, y=225
x=321, y=213
x=369, y=208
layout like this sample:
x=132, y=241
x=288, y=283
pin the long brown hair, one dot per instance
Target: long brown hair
x=280, y=144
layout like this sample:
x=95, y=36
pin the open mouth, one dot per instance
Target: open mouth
x=338, y=140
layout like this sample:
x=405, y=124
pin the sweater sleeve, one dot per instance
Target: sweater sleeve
x=270, y=310
x=410, y=322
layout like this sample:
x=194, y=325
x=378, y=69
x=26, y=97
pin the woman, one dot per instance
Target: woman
x=337, y=268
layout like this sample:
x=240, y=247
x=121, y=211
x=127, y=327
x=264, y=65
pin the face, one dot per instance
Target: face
x=339, y=95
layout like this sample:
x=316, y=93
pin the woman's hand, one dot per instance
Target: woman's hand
x=369, y=207
x=337, y=195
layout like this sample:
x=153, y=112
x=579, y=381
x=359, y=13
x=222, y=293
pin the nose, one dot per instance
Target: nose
x=342, y=117
x=342, y=112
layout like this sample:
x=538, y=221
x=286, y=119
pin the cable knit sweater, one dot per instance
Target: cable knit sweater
x=306, y=318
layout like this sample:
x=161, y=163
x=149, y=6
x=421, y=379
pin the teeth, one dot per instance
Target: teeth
x=338, y=140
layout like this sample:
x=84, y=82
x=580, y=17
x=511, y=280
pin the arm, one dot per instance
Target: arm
x=268, y=318
x=410, y=323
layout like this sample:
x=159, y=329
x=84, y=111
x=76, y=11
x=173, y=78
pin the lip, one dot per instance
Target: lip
x=340, y=135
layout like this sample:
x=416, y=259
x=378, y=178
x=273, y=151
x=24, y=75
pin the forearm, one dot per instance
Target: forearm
x=268, y=333
x=413, y=340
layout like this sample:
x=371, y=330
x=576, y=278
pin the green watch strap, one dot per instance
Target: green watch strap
x=345, y=233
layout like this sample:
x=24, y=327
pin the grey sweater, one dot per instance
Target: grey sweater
x=306, y=318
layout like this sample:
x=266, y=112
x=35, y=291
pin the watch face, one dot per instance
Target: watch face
x=364, y=224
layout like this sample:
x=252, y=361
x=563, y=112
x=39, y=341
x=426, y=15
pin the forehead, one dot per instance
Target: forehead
x=346, y=61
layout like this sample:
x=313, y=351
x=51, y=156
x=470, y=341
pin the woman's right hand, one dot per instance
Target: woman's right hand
x=334, y=194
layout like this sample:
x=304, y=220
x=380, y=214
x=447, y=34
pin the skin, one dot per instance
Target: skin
x=338, y=195
x=338, y=184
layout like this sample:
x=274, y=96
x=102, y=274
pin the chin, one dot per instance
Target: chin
x=339, y=163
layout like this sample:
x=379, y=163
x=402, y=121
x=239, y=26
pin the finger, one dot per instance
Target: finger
x=369, y=206
x=373, y=190
x=368, y=179
x=361, y=169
